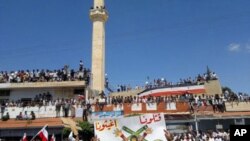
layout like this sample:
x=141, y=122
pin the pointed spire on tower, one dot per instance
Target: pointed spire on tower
x=209, y=73
x=208, y=70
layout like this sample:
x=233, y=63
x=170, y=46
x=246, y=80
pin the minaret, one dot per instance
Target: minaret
x=99, y=16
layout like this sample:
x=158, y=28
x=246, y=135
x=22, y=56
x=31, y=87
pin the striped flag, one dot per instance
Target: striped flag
x=43, y=134
x=71, y=138
x=24, y=137
x=53, y=138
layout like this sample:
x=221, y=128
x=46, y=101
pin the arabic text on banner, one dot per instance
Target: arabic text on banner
x=149, y=125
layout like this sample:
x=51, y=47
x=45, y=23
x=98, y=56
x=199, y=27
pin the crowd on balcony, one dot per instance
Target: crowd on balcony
x=162, y=82
x=216, y=101
x=195, y=101
x=45, y=75
x=26, y=116
x=42, y=99
x=240, y=97
x=123, y=88
x=65, y=105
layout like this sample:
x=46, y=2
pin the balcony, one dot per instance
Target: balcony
x=54, y=84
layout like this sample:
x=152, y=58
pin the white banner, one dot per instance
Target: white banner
x=118, y=107
x=151, y=106
x=171, y=106
x=79, y=112
x=149, y=126
x=136, y=107
x=177, y=128
x=40, y=112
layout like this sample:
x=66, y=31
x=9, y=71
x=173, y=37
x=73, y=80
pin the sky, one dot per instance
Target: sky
x=169, y=39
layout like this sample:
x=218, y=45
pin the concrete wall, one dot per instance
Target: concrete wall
x=237, y=106
x=213, y=87
x=126, y=93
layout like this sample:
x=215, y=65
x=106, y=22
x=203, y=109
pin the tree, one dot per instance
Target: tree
x=85, y=134
x=66, y=131
x=87, y=130
x=227, y=89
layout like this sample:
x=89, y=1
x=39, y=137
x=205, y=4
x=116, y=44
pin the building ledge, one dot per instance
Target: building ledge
x=37, y=123
x=42, y=85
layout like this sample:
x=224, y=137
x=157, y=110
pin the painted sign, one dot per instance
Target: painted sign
x=118, y=108
x=148, y=127
x=79, y=112
x=40, y=112
x=106, y=115
x=136, y=107
x=151, y=106
x=171, y=105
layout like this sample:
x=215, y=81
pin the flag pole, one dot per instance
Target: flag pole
x=38, y=132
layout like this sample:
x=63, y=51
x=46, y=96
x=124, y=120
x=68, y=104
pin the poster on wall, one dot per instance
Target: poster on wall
x=151, y=106
x=171, y=106
x=136, y=107
x=106, y=115
x=79, y=112
x=239, y=121
x=181, y=128
x=149, y=127
x=118, y=108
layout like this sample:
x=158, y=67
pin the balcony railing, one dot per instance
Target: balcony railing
x=142, y=108
x=54, y=84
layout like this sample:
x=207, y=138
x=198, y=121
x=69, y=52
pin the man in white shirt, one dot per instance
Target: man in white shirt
x=25, y=116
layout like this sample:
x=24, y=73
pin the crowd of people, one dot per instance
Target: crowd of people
x=20, y=116
x=123, y=88
x=62, y=105
x=163, y=82
x=199, y=79
x=42, y=99
x=26, y=116
x=210, y=135
x=219, y=135
x=65, y=105
x=217, y=101
x=195, y=101
x=45, y=75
